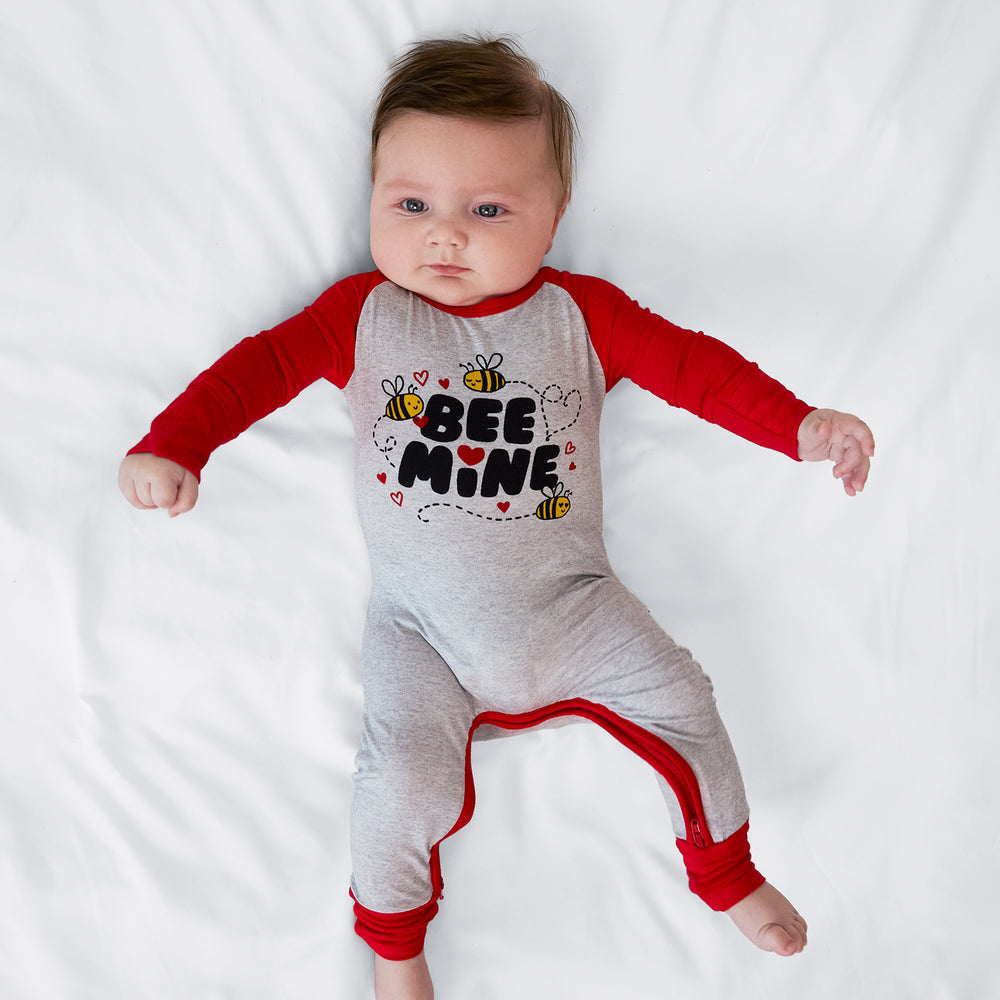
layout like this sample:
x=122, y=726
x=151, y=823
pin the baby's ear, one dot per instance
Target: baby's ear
x=562, y=210
x=555, y=225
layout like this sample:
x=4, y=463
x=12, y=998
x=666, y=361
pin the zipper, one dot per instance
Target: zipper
x=662, y=757
x=696, y=837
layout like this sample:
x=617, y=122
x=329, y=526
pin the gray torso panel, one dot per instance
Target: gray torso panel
x=477, y=438
x=478, y=471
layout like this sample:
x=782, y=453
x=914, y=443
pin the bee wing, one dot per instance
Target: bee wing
x=388, y=387
x=496, y=360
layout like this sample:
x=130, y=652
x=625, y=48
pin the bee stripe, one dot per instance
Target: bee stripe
x=548, y=510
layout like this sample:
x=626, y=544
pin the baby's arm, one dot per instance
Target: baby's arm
x=149, y=481
x=253, y=379
x=844, y=440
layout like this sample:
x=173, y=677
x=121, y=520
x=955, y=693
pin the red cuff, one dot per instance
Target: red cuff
x=722, y=874
x=395, y=936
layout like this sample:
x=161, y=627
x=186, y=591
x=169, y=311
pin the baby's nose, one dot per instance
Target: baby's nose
x=446, y=231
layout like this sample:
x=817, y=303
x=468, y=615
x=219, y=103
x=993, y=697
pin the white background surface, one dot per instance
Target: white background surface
x=815, y=183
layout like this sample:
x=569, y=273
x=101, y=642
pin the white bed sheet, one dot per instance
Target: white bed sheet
x=814, y=182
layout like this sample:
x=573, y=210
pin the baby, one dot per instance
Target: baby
x=475, y=378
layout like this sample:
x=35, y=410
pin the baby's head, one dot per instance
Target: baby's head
x=483, y=78
x=472, y=166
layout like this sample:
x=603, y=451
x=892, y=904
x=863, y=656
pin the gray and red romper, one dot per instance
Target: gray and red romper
x=493, y=605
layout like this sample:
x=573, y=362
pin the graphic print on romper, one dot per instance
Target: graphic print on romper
x=483, y=438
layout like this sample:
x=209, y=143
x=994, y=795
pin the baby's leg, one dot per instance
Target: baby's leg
x=646, y=679
x=406, y=980
x=408, y=795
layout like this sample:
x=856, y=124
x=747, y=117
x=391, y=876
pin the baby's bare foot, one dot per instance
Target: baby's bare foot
x=768, y=920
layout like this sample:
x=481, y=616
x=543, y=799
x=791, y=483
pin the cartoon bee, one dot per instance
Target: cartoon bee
x=485, y=378
x=402, y=405
x=555, y=505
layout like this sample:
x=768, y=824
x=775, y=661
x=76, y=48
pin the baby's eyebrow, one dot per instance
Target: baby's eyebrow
x=403, y=182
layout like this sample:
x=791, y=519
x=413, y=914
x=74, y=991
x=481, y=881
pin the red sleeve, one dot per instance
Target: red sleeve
x=260, y=374
x=687, y=369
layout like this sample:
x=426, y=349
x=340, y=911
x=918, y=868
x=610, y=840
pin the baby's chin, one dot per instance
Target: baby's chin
x=454, y=290
x=466, y=289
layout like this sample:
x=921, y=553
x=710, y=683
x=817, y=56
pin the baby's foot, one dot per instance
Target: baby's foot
x=770, y=921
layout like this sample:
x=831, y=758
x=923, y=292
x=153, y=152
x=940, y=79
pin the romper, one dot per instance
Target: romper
x=493, y=605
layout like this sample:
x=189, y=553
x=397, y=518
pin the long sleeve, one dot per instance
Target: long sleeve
x=686, y=369
x=261, y=374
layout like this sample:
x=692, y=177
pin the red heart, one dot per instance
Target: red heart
x=397, y=499
x=570, y=447
x=444, y=382
x=421, y=422
x=504, y=506
x=421, y=377
x=572, y=466
x=381, y=477
x=471, y=456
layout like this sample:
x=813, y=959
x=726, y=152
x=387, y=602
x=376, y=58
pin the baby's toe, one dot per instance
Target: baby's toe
x=782, y=940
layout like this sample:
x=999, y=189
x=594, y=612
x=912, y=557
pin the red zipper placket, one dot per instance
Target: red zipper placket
x=662, y=757
x=676, y=771
x=696, y=836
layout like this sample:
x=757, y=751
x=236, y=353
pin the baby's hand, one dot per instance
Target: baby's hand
x=149, y=481
x=844, y=440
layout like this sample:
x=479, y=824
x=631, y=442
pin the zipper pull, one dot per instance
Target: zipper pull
x=696, y=834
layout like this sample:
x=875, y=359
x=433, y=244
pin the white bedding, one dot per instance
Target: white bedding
x=814, y=182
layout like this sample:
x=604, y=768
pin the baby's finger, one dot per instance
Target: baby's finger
x=853, y=471
x=127, y=485
x=162, y=492
x=129, y=492
x=860, y=432
x=187, y=496
x=867, y=441
x=143, y=498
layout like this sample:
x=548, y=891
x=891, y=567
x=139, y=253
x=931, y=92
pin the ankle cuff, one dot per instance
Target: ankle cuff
x=722, y=874
x=395, y=936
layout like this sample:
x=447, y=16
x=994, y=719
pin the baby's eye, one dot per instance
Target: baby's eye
x=414, y=205
x=488, y=211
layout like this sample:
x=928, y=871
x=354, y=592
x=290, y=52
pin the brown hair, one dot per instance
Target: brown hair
x=476, y=77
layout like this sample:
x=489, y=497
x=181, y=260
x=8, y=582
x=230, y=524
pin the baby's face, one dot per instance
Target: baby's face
x=463, y=209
